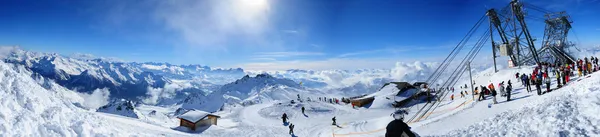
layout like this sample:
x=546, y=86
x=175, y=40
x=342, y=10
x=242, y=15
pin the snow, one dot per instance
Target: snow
x=33, y=105
x=28, y=109
x=194, y=115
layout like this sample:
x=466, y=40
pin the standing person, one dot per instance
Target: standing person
x=508, y=89
x=502, y=90
x=303, y=110
x=333, y=119
x=528, y=83
x=284, y=118
x=291, y=128
x=494, y=93
x=524, y=80
x=481, y=97
x=462, y=95
x=397, y=128
x=538, y=86
x=547, y=83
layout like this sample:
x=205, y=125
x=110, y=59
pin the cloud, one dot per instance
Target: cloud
x=393, y=50
x=285, y=54
x=326, y=64
x=6, y=50
x=212, y=23
x=291, y=31
x=153, y=95
x=98, y=98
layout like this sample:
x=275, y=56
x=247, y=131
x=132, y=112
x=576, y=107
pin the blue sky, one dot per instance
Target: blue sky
x=263, y=34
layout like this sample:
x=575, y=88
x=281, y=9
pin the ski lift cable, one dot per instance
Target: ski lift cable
x=447, y=64
x=472, y=30
x=449, y=59
x=463, y=68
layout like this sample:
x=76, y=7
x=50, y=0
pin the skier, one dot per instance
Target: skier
x=508, y=89
x=303, y=110
x=291, y=129
x=397, y=128
x=284, y=118
x=452, y=97
x=333, y=119
x=462, y=95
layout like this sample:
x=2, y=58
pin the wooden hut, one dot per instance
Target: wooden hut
x=195, y=118
x=359, y=102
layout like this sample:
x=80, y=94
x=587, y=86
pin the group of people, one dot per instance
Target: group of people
x=505, y=91
x=330, y=100
x=285, y=119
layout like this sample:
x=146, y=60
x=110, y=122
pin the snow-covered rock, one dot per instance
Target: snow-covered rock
x=120, y=107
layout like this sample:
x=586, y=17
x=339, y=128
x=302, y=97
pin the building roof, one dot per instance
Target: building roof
x=195, y=115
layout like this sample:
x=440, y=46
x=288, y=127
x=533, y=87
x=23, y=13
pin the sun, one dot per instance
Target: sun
x=253, y=6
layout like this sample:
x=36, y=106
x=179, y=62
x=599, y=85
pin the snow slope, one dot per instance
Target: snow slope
x=28, y=109
x=569, y=111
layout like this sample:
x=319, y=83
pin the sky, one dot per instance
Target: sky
x=265, y=34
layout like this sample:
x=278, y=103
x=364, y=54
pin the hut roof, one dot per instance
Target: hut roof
x=195, y=115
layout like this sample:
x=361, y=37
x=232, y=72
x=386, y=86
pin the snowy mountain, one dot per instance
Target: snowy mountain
x=40, y=107
x=248, y=86
x=123, y=80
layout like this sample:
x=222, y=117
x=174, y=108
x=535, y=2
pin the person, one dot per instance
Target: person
x=303, y=110
x=494, y=93
x=397, y=128
x=547, y=83
x=523, y=80
x=491, y=86
x=558, y=83
x=502, y=90
x=333, y=119
x=291, y=129
x=528, y=83
x=538, y=86
x=517, y=75
x=481, y=97
x=462, y=95
x=452, y=97
x=284, y=118
x=508, y=89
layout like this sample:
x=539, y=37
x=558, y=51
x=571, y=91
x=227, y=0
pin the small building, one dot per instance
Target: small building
x=196, y=118
x=360, y=102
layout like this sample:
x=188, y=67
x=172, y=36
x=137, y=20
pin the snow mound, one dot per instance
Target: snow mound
x=120, y=107
x=389, y=94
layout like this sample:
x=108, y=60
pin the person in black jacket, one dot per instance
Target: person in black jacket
x=291, y=128
x=284, y=118
x=397, y=128
x=508, y=90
